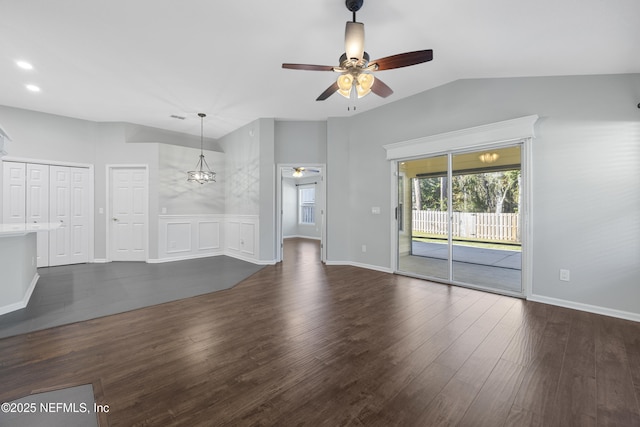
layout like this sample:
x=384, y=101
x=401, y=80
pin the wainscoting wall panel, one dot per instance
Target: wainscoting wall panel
x=178, y=237
x=208, y=235
x=196, y=236
x=242, y=237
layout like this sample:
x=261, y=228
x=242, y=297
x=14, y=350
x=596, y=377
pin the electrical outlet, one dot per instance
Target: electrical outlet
x=364, y=248
x=564, y=275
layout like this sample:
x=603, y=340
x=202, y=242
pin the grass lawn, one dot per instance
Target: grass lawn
x=505, y=246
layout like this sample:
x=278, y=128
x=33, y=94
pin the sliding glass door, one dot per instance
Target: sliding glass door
x=461, y=218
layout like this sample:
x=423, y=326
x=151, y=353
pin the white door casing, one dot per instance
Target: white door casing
x=128, y=213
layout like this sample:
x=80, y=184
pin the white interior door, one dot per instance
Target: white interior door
x=69, y=196
x=37, y=208
x=128, y=213
x=59, y=245
x=13, y=193
x=79, y=215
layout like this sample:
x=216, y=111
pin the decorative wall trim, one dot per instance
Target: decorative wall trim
x=586, y=307
x=490, y=134
x=241, y=236
x=182, y=237
x=181, y=258
x=25, y=300
x=188, y=236
x=361, y=265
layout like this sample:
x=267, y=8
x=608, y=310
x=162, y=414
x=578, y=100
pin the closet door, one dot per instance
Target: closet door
x=37, y=207
x=59, y=202
x=69, y=206
x=79, y=215
x=13, y=193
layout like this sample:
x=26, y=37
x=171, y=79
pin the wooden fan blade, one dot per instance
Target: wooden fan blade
x=308, y=67
x=380, y=88
x=327, y=93
x=403, y=59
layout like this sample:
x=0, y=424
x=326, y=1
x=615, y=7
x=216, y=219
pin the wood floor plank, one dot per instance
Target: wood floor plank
x=575, y=402
x=301, y=343
x=617, y=404
x=493, y=403
x=538, y=389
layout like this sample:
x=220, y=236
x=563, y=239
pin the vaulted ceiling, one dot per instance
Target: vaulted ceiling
x=142, y=61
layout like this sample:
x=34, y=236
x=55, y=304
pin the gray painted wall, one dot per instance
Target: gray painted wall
x=250, y=171
x=289, y=207
x=586, y=202
x=178, y=196
x=267, y=191
x=303, y=142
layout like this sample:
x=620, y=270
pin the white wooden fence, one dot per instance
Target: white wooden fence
x=504, y=227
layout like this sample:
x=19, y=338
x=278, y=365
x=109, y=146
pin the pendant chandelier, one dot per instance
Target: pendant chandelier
x=201, y=175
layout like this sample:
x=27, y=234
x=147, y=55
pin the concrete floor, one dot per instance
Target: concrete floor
x=488, y=268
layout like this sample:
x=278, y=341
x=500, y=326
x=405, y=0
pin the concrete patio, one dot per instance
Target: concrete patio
x=496, y=269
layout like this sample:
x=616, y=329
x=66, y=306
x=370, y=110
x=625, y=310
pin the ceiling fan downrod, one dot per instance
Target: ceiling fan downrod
x=354, y=6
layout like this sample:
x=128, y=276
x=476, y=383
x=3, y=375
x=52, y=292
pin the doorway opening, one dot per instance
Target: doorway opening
x=301, y=207
x=460, y=218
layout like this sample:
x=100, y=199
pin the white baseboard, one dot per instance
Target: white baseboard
x=100, y=261
x=249, y=259
x=207, y=255
x=360, y=265
x=25, y=300
x=301, y=237
x=183, y=257
x=586, y=307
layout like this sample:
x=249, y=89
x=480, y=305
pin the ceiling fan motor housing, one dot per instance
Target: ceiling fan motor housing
x=354, y=5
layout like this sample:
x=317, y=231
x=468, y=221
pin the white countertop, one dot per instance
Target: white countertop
x=21, y=229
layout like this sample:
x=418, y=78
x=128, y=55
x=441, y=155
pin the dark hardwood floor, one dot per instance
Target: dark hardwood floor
x=300, y=343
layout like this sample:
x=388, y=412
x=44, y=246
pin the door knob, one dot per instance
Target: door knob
x=114, y=219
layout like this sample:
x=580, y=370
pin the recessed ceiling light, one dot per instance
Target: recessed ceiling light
x=33, y=88
x=24, y=65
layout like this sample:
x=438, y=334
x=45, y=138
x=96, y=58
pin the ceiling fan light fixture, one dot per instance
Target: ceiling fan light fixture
x=297, y=172
x=354, y=40
x=365, y=82
x=345, y=84
x=488, y=157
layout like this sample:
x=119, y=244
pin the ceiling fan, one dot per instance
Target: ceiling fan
x=356, y=70
x=299, y=171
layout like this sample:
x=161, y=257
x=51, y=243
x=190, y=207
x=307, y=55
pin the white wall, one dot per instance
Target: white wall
x=586, y=202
